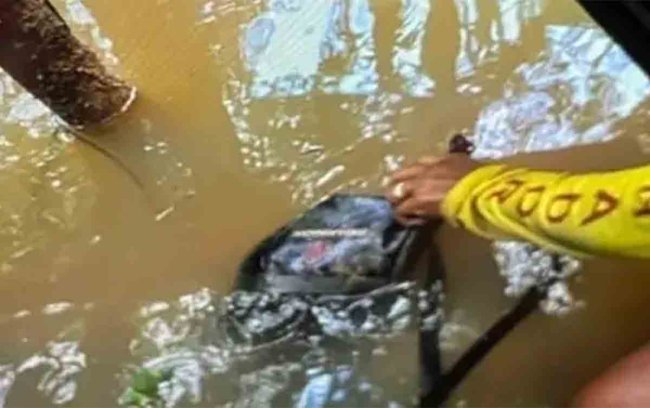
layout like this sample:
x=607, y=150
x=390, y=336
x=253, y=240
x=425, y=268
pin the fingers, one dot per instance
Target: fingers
x=429, y=160
x=407, y=173
x=424, y=205
x=411, y=207
x=398, y=192
x=417, y=192
x=427, y=164
x=401, y=184
x=410, y=221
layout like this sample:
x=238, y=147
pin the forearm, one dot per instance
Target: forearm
x=598, y=213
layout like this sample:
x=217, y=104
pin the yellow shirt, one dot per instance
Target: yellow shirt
x=590, y=214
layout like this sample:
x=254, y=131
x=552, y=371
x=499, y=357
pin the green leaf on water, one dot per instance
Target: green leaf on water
x=143, y=391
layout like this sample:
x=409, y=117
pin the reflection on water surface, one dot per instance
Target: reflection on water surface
x=256, y=109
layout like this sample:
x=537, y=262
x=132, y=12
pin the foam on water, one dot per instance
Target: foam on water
x=271, y=347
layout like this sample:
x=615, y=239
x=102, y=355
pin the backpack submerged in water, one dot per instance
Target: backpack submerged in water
x=346, y=267
x=347, y=244
x=363, y=278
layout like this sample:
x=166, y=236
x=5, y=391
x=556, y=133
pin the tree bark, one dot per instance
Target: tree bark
x=39, y=51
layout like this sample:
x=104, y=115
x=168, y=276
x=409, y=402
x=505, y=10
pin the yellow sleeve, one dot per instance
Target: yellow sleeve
x=590, y=214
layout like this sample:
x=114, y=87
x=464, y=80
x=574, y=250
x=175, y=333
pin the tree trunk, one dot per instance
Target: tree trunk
x=39, y=51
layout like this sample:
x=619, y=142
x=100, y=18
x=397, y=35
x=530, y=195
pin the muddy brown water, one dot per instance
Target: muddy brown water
x=249, y=111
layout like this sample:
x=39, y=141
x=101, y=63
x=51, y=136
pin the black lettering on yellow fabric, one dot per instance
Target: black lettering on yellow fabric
x=644, y=198
x=529, y=201
x=560, y=207
x=502, y=194
x=604, y=204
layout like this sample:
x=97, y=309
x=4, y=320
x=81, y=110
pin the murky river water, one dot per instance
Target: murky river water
x=251, y=110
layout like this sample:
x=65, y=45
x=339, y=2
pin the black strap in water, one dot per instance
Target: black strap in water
x=450, y=380
x=447, y=382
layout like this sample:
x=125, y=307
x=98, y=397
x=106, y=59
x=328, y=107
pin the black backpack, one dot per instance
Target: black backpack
x=351, y=247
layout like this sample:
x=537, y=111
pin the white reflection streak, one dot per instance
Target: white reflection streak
x=407, y=54
x=362, y=76
x=468, y=16
x=272, y=54
x=504, y=27
x=59, y=365
x=63, y=362
x=56, y=308
x=511, y=16
x=587, y=52
x=7, y=378
x=282, y=47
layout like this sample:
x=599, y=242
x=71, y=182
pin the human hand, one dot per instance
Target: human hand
x=417, y=191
